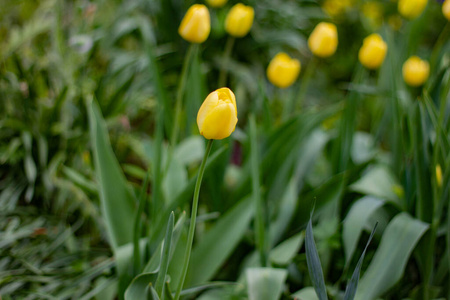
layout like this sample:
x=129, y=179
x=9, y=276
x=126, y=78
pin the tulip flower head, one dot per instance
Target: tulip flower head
x=323, y=40
x=283, y=70
x=446, y=9
x=373, y=51
x=239, y=20
x=217, y=117
x=415, y=71
x=411, y=9
x=216, y=3
x=196, y=24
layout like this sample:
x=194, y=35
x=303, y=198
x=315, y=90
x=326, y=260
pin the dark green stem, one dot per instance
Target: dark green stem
x=190, y=240
x=226, y=58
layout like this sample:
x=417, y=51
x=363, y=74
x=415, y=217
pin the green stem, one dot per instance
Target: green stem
x=190, y=240
x=442, y=39
x=261, y=233
x=226, y=58
x=304, y=84
x=180, y=92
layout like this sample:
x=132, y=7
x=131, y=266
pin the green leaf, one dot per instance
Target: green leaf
x=117, y=200
x=388, y=264
x=353, y=284
x=265, y=283
x=285, y=252
x=307, y=293
x=209, y=255
x=355, y=221
x=379, y=182
x=314, y=266
x=165, y=258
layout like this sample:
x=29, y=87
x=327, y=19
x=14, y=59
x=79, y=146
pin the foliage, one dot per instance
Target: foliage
x=99, y=159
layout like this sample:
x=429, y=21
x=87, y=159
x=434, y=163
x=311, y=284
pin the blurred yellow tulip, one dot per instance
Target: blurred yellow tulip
x=217, y=117
x=216, y=3
x=411, y=9
x=446, y=9
x=415, y=71
x=373, y=51
x=239, y=20
x=439, y=175
x=283, y=70
x=323, y=40
x=336, y=7
x=196, y=24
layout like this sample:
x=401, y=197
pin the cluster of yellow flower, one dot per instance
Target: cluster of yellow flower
x=283, y=70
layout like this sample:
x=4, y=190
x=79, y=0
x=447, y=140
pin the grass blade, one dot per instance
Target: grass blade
x=165, y=257
x=314, y=265
x=350, y=292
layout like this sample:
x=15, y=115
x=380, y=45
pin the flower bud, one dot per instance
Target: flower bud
x=239, y=20
x=196, y=24
x=216, y=3
x=283, y=70
x=446, y=9
x=439, y=175
x=323, y=40
x=373, y=51
x=217, y=117
x=411, y=9
x=415, y=71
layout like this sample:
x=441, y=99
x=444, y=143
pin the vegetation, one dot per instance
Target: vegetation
x=333, y=185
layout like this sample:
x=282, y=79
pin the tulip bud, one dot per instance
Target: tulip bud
x=283, y=70
x=216, y=3
x=415, y=71
x=239, y=20
x=439, y=175
x=410, y=9
x=446, y=9
x=373, y=51
x=196, y=24
x=323, y=40
x=217, y=117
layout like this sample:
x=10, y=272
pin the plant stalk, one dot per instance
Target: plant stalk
x=226, y=58
x=191, y=232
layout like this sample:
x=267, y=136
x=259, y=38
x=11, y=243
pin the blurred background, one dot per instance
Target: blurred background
x=373, y=161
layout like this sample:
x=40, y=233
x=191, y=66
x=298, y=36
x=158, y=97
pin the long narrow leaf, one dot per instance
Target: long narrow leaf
x=350, y=292
x=165, y=258
x=117, y=199
x=314, y=265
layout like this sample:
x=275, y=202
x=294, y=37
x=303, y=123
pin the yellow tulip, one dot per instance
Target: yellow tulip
x=216, y=3
x=323, y=40
x=439, y=175
x=373, y=51
x=415, y=71
x=411, y=9
x=283, y=70
x=217, y=117
x=196, y=24
x=446, y=9
x=239, y=20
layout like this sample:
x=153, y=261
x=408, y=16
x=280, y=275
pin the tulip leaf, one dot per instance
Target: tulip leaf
x=117, y=200
x=265, y=283
x=350, y=292
x=355, y=221
x=209, y=255
x=285, y=252
x=387, y=266
x=379, y=182
x=165, y=256
x=314, y=265
x=307, y=293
